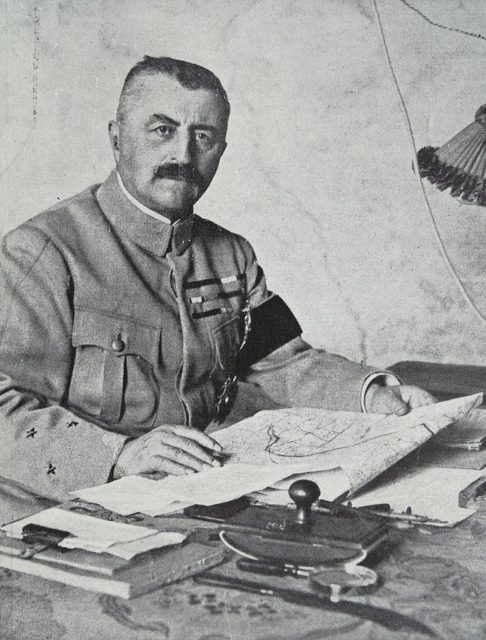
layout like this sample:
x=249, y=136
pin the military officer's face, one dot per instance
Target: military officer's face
x=169, y=142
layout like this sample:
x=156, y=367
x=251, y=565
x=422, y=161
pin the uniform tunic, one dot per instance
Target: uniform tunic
x=113, y=322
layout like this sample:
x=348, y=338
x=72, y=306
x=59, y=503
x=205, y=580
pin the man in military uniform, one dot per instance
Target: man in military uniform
x=128, y=324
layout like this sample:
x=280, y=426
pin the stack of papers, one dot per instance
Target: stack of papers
x=431, y=492
x=468, y=432
x=342, y=451
x=135, y=494
x=96, y=535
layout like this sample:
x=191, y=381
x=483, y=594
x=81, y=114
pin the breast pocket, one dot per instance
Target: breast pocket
x=113, y=375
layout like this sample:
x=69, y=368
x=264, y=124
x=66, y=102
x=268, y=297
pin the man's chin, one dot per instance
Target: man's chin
x=173, y=208
x=178, y=199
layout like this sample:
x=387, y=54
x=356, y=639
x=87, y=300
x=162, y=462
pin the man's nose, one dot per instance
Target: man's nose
x=182, y=148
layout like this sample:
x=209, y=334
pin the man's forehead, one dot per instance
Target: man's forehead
x=158, y=93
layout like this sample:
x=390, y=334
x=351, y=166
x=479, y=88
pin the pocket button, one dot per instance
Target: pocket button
x=118, y=345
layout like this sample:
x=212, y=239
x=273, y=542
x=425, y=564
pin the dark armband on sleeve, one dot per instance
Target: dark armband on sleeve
x=272, y=325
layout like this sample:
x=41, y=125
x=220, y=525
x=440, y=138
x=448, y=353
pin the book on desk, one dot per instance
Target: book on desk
x=105, y=573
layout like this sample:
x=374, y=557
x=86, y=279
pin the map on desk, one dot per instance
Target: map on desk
x=342, y=451
x=361, y=445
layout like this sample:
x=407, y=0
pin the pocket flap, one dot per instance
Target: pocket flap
x=118, y=334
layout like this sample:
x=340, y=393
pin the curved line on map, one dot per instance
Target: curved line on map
x=442, y=26
x=271, y=434
x=348, y=446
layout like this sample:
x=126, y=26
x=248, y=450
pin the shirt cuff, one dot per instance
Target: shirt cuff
x=383, y=378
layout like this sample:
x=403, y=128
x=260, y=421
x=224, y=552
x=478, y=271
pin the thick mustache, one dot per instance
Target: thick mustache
x=179, y=172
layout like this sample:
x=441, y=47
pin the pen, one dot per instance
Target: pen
x=222, y=456
x=384, y=511
x=336, y=508
x=381, y=507
x=271, y=568
x=218, y=454
x=408, y=517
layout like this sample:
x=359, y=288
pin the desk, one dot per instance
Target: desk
x=438, y=578
x=443, y=380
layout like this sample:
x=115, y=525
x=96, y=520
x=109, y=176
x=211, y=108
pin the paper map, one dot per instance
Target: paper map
x=274, y=445
x=362, y=444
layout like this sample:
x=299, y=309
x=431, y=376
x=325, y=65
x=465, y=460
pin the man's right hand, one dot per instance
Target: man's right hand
x=172, y=449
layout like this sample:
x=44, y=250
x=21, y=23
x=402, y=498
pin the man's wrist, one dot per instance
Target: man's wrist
x=116, y=473
x=378, y=379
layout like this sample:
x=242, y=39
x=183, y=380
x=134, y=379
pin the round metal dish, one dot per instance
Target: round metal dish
x=258, y=547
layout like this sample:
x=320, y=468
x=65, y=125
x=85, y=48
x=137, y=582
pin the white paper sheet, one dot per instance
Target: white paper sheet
x=333, y=483
x=88, y=532
x=132, y=494
x=128, y=550
x=430, y=491
x=155, y=497
x=231, y=481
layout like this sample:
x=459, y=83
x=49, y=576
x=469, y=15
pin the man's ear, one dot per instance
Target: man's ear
x=114, y=133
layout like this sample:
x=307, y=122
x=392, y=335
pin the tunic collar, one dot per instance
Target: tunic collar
x=139, y=205
x=146, y=231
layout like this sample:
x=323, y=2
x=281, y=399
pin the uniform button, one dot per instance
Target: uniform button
x=118, y=345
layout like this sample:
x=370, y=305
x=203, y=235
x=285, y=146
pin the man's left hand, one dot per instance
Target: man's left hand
x=397, y=399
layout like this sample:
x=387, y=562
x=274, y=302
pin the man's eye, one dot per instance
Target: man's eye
x=163, y=130
x=203, y=138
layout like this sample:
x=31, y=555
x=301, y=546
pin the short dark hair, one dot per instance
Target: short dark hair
x=188, y=74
